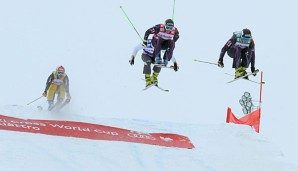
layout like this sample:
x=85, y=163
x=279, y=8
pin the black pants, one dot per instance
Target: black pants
x=148, y=60
x=241, y=57
x=161, y=44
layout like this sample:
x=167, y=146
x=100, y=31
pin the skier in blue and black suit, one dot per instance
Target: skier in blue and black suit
x=241, y=48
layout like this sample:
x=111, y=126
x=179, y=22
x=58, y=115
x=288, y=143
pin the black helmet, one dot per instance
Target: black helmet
x=246, y=33
x=169, y=22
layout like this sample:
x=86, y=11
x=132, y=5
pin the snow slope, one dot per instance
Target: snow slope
x=218, y=147
x=93, y=40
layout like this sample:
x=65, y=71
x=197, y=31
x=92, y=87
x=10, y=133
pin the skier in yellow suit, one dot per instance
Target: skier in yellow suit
x=57, y=84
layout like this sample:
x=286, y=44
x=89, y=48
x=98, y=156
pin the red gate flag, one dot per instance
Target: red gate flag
x=92, y=131
x=251, y=119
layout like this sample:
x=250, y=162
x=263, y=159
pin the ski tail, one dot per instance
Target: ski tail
x=162, y=89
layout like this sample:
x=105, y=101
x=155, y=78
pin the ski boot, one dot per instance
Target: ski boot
x=59, y=102
x=245, y=73
x=51, y=105
x=241, y=71
x=154, y=78
x=148, y=80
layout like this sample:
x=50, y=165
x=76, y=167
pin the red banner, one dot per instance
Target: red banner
x=251, y=119
x=92, y=131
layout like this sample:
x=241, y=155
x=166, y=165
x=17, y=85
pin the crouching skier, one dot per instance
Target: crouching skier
x=57, y=84
x=148, y=59
x=241, y=48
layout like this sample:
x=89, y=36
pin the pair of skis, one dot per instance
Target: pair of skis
x=245, y=77
x=164, y=66
x=56, y=107
x=238, y=78
x=154, y=85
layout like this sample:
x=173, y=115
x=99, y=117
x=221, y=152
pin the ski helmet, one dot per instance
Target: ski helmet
x=169, y=24
x=246, y=33
x=60, y=70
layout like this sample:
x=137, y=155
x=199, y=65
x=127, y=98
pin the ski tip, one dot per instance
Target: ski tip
x=165, y=90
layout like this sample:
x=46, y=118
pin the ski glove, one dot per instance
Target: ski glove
x=132, y=60
x=145, y=43
x=44, y=94
x=253, y=69
x=157, y=60
x=176, y=67
x=220, y=64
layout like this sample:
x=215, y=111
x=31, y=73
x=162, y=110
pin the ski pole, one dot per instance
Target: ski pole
x=173, y=10
x=35, y=100
x=131, y=23
x=196, y=60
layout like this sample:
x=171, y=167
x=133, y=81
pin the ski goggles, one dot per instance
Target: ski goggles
x=246, y=40
x=169, y=27
x=60, y=73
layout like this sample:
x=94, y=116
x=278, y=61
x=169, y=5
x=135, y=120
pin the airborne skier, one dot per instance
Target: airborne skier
x=164, y=35
x=241, y=48
x=148, y=59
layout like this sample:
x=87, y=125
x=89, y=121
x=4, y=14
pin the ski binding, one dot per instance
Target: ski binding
x=242, y=77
